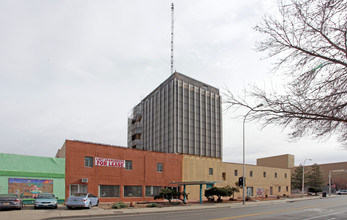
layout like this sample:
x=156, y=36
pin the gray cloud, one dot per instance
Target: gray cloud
x=74, y=70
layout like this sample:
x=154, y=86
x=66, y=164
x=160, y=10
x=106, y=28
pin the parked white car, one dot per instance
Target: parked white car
x=82, y=200
x=341, y=192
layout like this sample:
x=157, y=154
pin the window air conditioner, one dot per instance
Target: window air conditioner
x=84, y=180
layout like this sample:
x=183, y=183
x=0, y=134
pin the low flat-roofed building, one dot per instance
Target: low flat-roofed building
x=28, y=176
x=260, y=180
x=338, y=175
x=115, y=173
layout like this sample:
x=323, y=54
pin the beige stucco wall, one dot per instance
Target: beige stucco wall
x=282, y=161
x=196, y=168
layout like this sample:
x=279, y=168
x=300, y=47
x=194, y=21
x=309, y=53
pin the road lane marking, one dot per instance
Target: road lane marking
x=265, y=213
x=326, y=215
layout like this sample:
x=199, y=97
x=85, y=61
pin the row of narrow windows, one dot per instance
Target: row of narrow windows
x=236, y=173
x=113, y=191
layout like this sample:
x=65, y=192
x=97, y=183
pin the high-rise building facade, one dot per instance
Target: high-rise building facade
x=182, y=115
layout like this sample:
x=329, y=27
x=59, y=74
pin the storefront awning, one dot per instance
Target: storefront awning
x=195, y=183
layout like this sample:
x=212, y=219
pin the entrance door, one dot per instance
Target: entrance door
x=249, y=191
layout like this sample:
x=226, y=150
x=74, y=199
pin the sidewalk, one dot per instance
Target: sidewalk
x=28, y=213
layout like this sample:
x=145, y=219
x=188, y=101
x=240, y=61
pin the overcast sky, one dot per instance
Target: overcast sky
x=75, y=69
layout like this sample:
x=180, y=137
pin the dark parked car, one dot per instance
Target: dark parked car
x=46, y=200
x=10, y=201
x=82, y=200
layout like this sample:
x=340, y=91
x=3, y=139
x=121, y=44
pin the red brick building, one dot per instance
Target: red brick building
x=117, y=173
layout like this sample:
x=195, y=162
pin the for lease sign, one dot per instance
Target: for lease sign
x=260, y=191
x=107, y=162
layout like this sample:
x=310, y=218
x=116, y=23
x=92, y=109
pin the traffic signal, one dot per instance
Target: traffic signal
x=241, y=183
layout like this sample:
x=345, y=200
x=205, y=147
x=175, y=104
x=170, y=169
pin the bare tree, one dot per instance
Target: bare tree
x=309, y=41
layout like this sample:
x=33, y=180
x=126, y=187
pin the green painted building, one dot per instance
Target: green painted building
x=30, y=175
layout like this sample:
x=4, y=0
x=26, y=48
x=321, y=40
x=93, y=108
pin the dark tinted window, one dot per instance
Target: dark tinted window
x=88, y=161
x=45, y=196
x=79, y=195
x=9, y=195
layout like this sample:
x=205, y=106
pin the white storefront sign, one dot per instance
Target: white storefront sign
x=107, y=162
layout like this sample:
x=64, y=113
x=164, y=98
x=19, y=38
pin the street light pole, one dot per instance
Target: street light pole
x=244, y=153
x=303, y=175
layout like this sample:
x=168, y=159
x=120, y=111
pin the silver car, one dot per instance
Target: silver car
x=45, y=200
x=10, y=201
x=82, y=200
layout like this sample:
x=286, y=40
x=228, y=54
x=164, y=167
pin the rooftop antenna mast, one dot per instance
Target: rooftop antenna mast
x=172, y=35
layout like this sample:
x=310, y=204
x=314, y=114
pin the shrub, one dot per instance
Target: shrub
x=119, y=205
x=152, y=205
x=314, y=190
x=220, y=191
x=170, y=194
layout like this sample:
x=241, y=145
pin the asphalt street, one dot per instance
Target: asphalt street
x=307, y=208
x=318, y=209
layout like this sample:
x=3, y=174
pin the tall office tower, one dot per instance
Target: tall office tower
x=182, y=115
